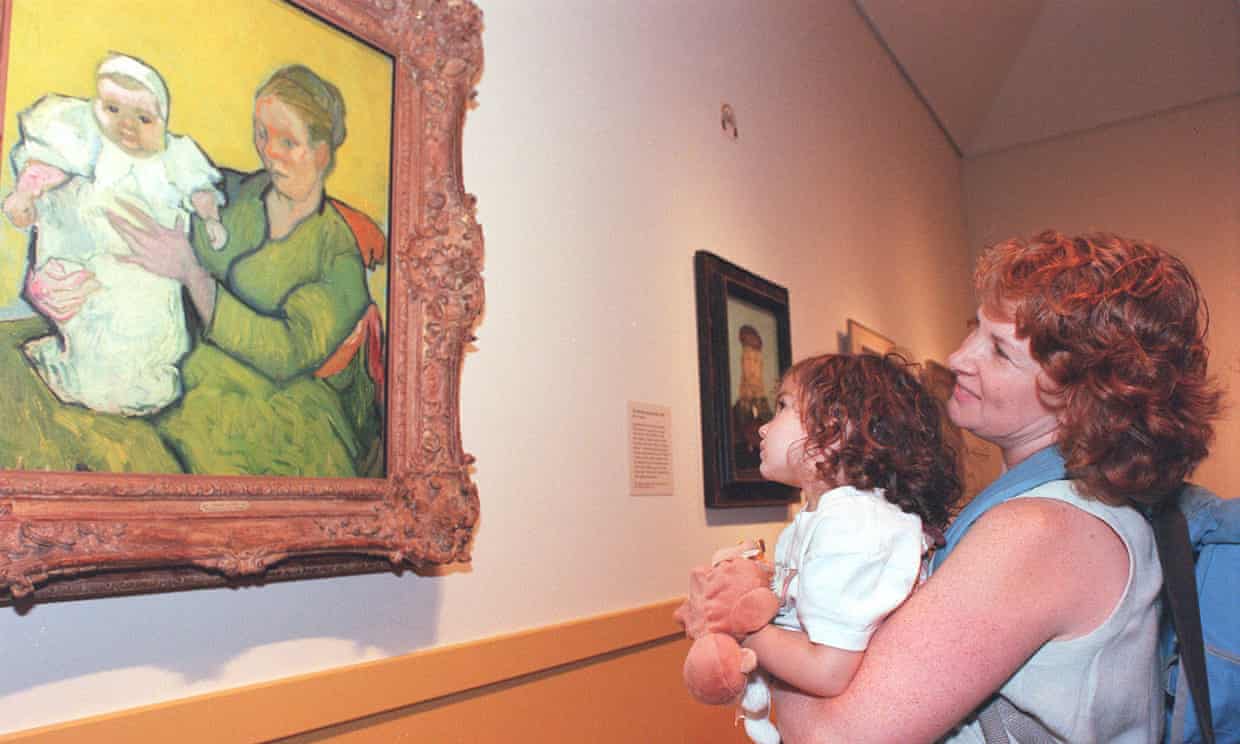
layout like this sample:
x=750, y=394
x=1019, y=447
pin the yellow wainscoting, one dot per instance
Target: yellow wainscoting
x=612, y=678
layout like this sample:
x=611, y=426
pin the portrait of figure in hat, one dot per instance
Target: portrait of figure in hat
x=754, y=368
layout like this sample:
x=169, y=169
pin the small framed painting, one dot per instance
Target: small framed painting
x=862, y=340
x=744, y=348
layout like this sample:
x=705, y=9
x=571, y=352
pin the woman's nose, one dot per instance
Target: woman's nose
x=961, y=360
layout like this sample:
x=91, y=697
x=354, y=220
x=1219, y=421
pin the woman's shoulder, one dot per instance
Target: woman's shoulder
x=333, y=233
x=368, y=236
x=245, y=185
x=1125, y=520
x=1067, y=560
x=1041, y=520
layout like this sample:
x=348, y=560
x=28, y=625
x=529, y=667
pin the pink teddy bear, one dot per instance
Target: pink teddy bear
x=727, y=601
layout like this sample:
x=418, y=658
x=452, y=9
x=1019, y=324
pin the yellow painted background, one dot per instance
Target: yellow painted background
x=213, y=54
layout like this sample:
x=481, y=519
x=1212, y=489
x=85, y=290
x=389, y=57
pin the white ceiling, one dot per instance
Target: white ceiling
x=999, y=73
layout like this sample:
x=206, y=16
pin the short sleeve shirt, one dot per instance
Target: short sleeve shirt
x=842, y=568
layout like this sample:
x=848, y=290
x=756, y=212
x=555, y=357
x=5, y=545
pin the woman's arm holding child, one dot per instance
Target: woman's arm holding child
x=962, y=634
x=166, y=252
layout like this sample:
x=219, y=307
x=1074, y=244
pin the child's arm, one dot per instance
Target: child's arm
x=790, y=655
x=35, y=180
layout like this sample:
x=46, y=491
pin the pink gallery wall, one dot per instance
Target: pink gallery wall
x=1173, y=178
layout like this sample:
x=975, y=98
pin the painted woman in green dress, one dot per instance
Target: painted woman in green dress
x=273, y=305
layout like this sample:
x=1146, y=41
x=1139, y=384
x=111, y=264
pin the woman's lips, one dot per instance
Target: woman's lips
x=961, y=393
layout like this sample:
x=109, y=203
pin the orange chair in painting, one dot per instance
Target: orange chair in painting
x=368, y=333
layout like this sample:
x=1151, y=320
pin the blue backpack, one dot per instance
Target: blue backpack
x=1213, y=535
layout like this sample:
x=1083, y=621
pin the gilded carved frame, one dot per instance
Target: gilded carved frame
x=72, y=535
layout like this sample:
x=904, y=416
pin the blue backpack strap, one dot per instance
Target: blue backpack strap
x=1175, y=553
x=1043, y=466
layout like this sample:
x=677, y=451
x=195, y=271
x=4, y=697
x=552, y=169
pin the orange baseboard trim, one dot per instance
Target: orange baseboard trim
x=304, y=703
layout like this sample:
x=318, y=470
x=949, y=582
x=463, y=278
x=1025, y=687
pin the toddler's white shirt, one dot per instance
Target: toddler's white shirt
x=842, y=568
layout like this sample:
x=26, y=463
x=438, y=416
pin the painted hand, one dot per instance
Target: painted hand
x=164, y=251
x=58, y=289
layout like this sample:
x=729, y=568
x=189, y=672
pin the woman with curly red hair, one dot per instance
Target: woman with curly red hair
x=862, y=439
x=1088, y=356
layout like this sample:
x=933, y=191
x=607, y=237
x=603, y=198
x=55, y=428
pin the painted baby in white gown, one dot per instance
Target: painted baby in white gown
x=76, y=161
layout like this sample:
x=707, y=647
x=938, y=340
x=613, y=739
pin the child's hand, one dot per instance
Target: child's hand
x=19, y=208
x=217, y=234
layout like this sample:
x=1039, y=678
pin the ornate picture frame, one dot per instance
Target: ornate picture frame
x=68, y=535
x=744, y=348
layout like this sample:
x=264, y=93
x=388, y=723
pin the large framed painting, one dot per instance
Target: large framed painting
x=238, y=275
x=744, y=348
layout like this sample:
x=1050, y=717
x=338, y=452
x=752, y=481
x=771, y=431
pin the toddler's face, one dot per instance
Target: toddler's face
x=783, y=443
x=129, y=118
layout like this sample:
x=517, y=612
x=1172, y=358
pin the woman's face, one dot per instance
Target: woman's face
x=296, y=165
x=997, y=390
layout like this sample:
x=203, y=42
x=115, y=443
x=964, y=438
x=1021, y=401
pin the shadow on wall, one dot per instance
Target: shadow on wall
x=67, y=660
x=749, y=515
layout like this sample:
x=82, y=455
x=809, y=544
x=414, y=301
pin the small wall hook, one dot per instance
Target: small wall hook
x=727, y=120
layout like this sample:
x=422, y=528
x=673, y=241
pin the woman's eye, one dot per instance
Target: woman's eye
x=287, y=142
x=111, y=109
x=144, y=119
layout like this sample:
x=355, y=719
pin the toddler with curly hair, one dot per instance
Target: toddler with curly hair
x=862, y=439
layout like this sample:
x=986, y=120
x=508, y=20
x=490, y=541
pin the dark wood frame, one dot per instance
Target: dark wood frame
x=71, y=535
x=716, y=280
